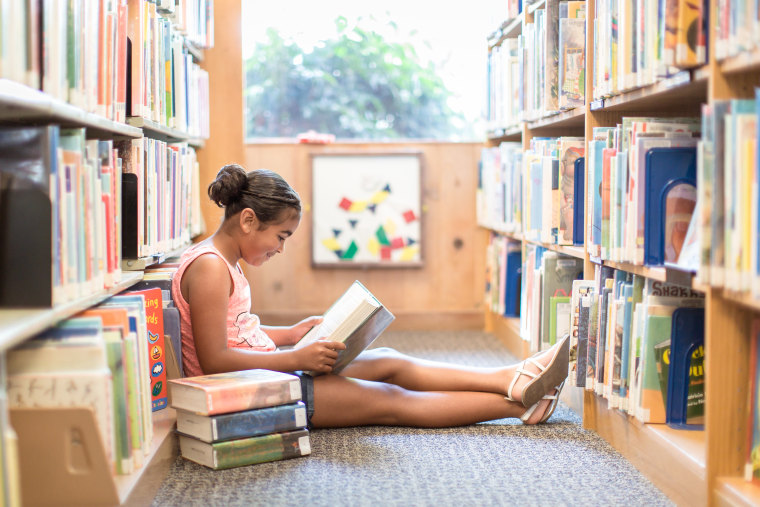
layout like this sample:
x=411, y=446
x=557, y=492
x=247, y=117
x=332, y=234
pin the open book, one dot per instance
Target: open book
x=356, y=319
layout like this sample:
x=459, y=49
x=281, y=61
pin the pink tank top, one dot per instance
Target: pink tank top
x=243, y=328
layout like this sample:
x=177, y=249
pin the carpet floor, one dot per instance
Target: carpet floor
x=496, y=463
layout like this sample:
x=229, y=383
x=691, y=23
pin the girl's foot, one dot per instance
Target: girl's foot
x=539, y=374
x=543, y=410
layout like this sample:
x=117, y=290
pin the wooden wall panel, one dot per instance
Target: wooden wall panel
x=445, y=294
x=448, y=286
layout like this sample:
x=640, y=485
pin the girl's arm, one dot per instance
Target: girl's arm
x=206, y=285
x=289, y=335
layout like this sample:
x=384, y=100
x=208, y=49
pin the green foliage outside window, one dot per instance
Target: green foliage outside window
x=356, y=85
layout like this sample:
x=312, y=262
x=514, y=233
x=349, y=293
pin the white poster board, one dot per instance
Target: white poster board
x=367, y=210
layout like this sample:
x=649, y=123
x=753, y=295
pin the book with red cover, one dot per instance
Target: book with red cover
x=222, y=393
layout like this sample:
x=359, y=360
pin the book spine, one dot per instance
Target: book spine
x=255, y=396
x=262, y=449
x=259, y=422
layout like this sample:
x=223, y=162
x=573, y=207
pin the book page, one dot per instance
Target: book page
x=348, y=311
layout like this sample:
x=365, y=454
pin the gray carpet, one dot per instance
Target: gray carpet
x=497, y=463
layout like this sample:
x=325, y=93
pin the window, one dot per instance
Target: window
x=416, y=71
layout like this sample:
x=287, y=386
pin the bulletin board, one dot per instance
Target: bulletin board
x=367, y=210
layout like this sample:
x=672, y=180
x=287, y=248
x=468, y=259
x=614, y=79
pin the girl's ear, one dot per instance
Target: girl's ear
x=248, y=220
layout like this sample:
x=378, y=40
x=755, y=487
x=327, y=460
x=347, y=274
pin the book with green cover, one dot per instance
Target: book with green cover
x=246, y=451
x=559, y=320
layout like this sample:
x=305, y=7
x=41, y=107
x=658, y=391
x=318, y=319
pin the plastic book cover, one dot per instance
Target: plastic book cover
x=688, y=51
x=720, y=109
x=551, y=46
x=593, y=328
x=662, y=358
x=243, y=424
x=572, y=64
x=246, y=451
x=625, y=362
x=154, y=318
x=578, y=203
x=570, y=150
x=752, y=466
x=584, y=314
x=578, y=341
x=233, y=391
x=559, y=274
x=559, y=321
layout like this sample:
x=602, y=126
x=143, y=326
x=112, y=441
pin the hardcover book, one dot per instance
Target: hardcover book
x=357, y=318
x=221, y=393
x=246, y=451
x=244, y=424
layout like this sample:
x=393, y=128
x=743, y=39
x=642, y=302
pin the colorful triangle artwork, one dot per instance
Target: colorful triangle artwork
x=387, y=188
x=353, y=223
x=372, y=207
x=336, y=233
x=351, y=252
x=410, y=241
x=381, y=236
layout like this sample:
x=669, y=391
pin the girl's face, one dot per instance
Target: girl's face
x=261, y=244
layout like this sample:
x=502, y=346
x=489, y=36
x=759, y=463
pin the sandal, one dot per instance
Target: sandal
x=549, y=410
x=549, y=376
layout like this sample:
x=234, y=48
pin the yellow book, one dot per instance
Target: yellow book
x=687, y=33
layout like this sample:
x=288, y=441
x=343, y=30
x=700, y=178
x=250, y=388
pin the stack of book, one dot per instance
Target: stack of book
x=227, y=420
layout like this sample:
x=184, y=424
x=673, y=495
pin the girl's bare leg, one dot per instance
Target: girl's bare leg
x=341, y=402
x=390, y=366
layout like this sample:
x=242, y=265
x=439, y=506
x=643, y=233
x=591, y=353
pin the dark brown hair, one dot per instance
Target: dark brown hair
x=262, y=190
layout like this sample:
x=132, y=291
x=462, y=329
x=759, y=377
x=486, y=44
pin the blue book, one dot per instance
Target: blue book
x=248, y=423
x=512, y=287
x=596, y=150
x=579, y=201
x=666, y=171
x=626, y=350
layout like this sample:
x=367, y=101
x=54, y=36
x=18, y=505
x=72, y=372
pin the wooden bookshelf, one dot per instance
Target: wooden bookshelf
x=141, y=487
x=17, y=325
x=736, y=492
x=508, y=134
x=142, y=263
x=691, y=467
x=674, y=460
x=573, y=118
x=157, y=131
x=66, y=463
x=678, y=93
x=22, y=105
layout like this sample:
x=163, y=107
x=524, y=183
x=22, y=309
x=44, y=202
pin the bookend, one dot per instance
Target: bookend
x=579, y=201
x=687, y=335
x=61, y=457
x=26, y=250
x=665, y=168
x=129, y=216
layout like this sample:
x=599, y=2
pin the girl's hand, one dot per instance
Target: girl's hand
x=298, y=330
x=319, y=356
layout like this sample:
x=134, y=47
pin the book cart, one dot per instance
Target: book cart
x=75, y=469
x=691, y=467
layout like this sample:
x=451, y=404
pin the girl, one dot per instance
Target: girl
x=381, y=386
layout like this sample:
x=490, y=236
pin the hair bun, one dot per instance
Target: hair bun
x=228, y=186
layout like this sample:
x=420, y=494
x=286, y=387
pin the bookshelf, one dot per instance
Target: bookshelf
x=59, y=457
x=691, y=467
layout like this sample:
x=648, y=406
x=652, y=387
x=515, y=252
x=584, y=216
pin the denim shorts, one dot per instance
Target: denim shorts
x=307, y=393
